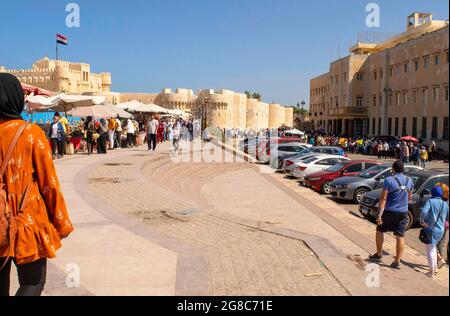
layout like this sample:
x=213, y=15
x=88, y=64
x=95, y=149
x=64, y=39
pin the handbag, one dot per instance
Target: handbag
x=426, y=234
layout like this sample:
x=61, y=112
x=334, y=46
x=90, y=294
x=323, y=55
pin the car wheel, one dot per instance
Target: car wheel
x=359, y=194
x=326, y=187
x=410, y=220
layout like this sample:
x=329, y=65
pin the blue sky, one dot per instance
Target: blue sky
x=270, y=46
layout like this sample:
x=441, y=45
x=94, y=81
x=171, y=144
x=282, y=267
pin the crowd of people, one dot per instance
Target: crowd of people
x=106, y=134
x=408, y=152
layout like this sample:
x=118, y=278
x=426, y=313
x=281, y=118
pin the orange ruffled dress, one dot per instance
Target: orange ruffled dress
x=44, y=220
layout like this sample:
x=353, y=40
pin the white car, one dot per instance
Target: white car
x=315, y=164
x=290, y=164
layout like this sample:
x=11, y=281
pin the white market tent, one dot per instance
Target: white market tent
x=61, y=102
x=130, y=105
x=294, y=132
x=177, y=112
x=100, y=111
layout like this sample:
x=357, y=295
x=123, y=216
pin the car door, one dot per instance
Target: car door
x=425, y=192
x=378, y=181
x=353, y=170
x=324, y=164
x=368, y=165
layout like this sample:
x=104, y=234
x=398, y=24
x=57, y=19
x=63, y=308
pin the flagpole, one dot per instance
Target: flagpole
x=57, y=51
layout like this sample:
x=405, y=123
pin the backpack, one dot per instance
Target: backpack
x=8, y=225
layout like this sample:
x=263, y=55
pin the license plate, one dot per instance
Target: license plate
x=365, y=210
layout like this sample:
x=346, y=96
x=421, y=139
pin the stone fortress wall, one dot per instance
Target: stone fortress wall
x=224, y=108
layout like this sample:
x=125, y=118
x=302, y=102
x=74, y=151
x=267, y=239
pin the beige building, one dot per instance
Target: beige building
x=63, y=76
x=220, y=108
x=398, y=87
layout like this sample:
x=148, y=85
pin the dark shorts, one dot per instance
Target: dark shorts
x=394, y=222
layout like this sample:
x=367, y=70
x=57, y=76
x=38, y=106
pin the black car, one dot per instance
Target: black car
x=424, y=181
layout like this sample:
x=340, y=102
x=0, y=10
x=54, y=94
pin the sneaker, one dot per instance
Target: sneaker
x=430, y=275
x=375, y=258
x=396, y=265
x=441, y=264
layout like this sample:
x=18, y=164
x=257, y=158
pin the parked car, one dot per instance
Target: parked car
x=354, y=188
x=281, y=150
x=290, y=164
x=424, y=181
x=321, y=181
x=327, y=150
x=316, y=163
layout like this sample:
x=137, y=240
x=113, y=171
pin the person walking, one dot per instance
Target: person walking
x=380, y=150
x=35, y=209
x=56, y=135
x=111, y=132
x=423, y=157
x=152, y=130
x=393, y=213
x=103, y=139
x=118, y=138
x=66, y=129
x=433, y=216
x=385, y=150
x=130, y=133
x=89, y=129
x=441, y=244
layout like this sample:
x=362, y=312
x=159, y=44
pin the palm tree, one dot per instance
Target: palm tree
x=256, y=96
x=248, y=94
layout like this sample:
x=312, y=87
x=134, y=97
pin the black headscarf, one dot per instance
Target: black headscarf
x=12, y=100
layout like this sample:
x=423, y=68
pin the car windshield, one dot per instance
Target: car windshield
x=335, y=168
x=371, y=172
x=309, y=160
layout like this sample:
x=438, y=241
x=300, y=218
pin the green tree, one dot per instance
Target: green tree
x=256, y=96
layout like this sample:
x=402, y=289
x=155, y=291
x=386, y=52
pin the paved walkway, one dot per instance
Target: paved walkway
x=148, y=226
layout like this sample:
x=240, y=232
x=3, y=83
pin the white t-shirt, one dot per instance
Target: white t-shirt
x=130, y=127
x=55, y=127
x=152, y=127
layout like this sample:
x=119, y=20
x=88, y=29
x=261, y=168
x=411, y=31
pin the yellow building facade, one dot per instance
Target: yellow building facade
x=398, y=87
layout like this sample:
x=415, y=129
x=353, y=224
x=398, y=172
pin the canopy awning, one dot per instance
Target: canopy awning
x=61, y=102
x=32, y=90
x=294, y=132
x=100, y=111
x=149, y=108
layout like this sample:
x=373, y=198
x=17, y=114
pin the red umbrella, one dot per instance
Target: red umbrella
x=409, y=139
x=29, y=89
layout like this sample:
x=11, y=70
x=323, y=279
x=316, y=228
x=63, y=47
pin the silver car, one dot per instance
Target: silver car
x=354, y=188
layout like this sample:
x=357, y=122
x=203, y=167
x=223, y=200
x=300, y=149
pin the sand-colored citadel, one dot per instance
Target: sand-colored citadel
x=223, y=108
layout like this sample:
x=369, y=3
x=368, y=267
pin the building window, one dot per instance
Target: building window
x=390, y=126
x=414, y=127
x=446, y=127
x=405, y=68
x=405, y=97
x=446, y=94
x=424, y=96
x=397, y=98
x=374, y=98
x=437, y=60
x=435, y=94
x=374, y=75
x=359, y=101
x=373, y=126
x=424, y=128
x=415, y=96
x=405, y=122
x=337, y=101
x=397, y=122
x=360, y=76
x=416, y=65
x=379, y=126
x=380, y=100
x=426, y=62
x=390, y=99
x=391, y=71
x=434, y=130
x=381, y=74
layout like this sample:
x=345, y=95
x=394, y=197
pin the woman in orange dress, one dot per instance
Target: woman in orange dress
x=42, y=220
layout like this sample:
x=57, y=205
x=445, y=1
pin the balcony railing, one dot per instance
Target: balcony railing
x=350, y=111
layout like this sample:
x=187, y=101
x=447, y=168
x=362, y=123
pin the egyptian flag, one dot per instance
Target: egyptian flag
x=60, y=39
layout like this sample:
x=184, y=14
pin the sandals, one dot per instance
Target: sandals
x=396, y=265
x=375, y=258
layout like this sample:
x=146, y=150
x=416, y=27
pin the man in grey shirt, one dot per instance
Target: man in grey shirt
x=152, y=129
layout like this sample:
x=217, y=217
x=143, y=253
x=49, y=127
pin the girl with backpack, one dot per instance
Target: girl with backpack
x=33, y=213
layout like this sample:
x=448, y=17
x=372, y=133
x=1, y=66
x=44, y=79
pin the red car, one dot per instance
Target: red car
x=320, y=181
